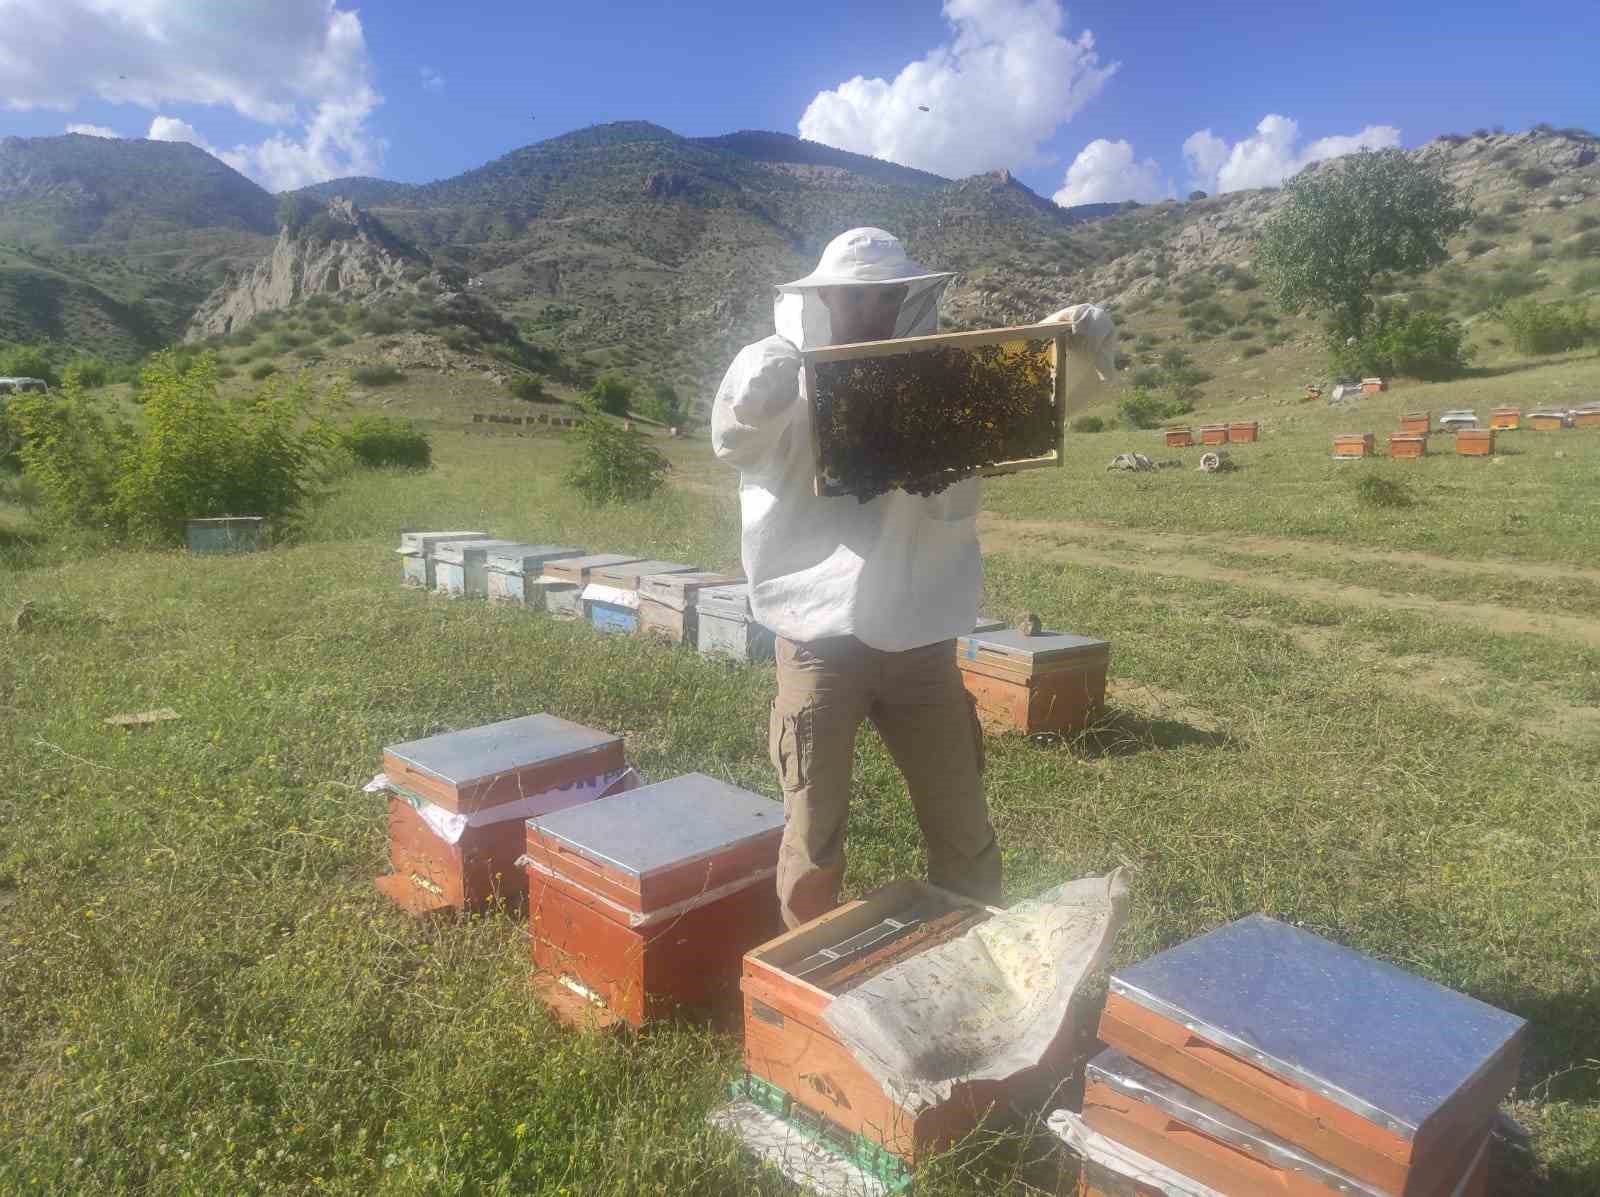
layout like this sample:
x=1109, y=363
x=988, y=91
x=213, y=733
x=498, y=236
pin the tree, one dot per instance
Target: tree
x=1346, y=223
x=663, y=406
x=295, y=209
x=614, y=465
x=610, y=394
x=1197, y=195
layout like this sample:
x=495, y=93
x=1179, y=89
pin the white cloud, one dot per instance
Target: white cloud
x=1271, y=154
x=432, y=80
x=298, y=66
x=1004, y=82
x=94, y=131
x=170, y=128
x=1106, y=171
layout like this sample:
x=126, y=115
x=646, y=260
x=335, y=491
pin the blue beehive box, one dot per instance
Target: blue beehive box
x=611, y=600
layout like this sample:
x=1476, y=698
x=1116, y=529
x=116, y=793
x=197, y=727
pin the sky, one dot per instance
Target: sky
x=1087, y=102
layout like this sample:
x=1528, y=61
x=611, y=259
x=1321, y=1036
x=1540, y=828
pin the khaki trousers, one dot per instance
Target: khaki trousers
x=927, y=720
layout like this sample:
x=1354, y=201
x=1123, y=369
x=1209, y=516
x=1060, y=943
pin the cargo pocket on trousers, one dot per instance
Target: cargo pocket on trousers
x=977, y=733
x=788, y=742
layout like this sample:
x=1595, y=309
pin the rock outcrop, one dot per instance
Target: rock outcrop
x=340, y=251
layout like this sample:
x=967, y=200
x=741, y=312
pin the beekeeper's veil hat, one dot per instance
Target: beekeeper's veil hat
x=860, y=258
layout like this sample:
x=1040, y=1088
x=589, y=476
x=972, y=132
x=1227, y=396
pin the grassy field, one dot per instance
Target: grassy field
x=1383, y=724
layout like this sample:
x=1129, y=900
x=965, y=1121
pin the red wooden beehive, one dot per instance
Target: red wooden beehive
x=1475, y=442
x=1380, y=1073
x=1178, y=438
x=1586, y=418
x=1213, y=434
x=1407, y=444
x=647, y=901
x=1352, y=444
x=789, y=982
x=1052, y=682
x=1242, y=432
x=463, y=855
x=1419, y=422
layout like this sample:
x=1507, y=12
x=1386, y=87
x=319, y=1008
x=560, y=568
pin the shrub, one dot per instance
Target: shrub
x=1141, y=408
x=1535, y=176
x=376, y=376
x=194, y=454
x=1539, y=238
x=1412, y=344
x=1088, y=424
x=1512, y=207
x=1147, y=377
x=1586, y=280
x=1584, y=245
x=286, y=341
x=614, y=465
x=382, y=326
x=375, y=441
x=1488, y=222
x=1476, y=249
x=1254, y=350
x=1547, y=327
x=611, y=394
x=1240, y=334
x=1586, y=222
x=340, y=338
x=29, y=361
x=263, y=370
x=90, y=372
x=1383, y=492
x=663, y=405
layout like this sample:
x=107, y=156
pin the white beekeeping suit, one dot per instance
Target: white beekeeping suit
x=898, y=571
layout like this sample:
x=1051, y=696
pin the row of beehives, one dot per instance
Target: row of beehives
x=1411, y=441
x=1240, y=432
x=615, y=592
x=1045, y=682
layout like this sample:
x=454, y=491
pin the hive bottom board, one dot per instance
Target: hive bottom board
x=432, y=875
x=691, y=959
x=1061, y=701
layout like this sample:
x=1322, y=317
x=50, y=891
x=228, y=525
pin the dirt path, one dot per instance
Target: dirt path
x=1190, y=544
x=1183, y=557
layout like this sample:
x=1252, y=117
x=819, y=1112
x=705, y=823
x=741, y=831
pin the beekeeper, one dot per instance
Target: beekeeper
x=866, y=599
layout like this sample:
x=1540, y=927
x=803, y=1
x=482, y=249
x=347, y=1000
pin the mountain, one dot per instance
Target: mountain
x=75, y=188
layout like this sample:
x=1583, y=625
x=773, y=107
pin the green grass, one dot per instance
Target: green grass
x=200, y=991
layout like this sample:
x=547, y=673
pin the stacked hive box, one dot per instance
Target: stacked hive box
x=461, y=567
x=1505, y=419
x=457, y=803
x=1407, y=445
x=648, y=900
x=416, y=554
x=1475, y=442
x=510, y=570
x=1052, y=682
x=727, y=629
x=563, y=581
x=1213, y=434
x=1348, y=445
x=667, y=603
x=611, y=599
x=1242, y=432
x=789, y=983
x=1178, y=438
x=1263, y=1060
x=1417, y=423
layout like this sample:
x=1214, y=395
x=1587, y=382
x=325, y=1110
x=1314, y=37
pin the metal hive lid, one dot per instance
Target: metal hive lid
x=421, y=542
x=516, y=557
x=460, y=758
x=669, y=823
x=578, y=568
x=461, y=550
x=626, y=576
x=725, y=600
x=1383, y=1042
x=1047, y=646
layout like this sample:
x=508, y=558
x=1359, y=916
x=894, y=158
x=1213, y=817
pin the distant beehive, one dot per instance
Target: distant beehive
x=1475, y=442
x=1348, y=445
x=1213, y=434
x=1178, y=438
x=1417, y=422
x=1407, y=445
x=1242, y=432
x=1505, y=419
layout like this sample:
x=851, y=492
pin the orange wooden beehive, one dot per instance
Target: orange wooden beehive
x=1242, y=432
x=1419, y=422
x=1505, y=419
x=1052, y=682
x=1407, y=444
x=1213, y=434
x=1372, y=386
x=647, y=901
x=1547, y=421
x=1586, y=418
x=1178, y=438
x=1352, y=444
x=789, y=983
x=1475, y=442
x=1376, y=1071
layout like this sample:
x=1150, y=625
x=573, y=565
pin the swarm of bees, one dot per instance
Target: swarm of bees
x=920, y=422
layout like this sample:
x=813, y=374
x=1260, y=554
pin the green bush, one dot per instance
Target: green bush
x=1141, y=408
x=193, y=455
x=382, y=325
x=340, y=338
x=1383, y=492
x=614, y=465
x=375, y=441
x=1586, y=222
x=1535, y=176
x=1586, y=280
x=1254, y=350
x=1584, y=245
x=1408, y=344
x=528, y=386
x=662, y=405
x=263, y=370
x=376, y=376
x=1547, y=327
x=1240, y=334
x=90, y=372
x=1539, y=238
x=1088, y=424
x=1512, y=207
x=1476, y=249
x=286, y=341
x=611, y=394
x=29, y=361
